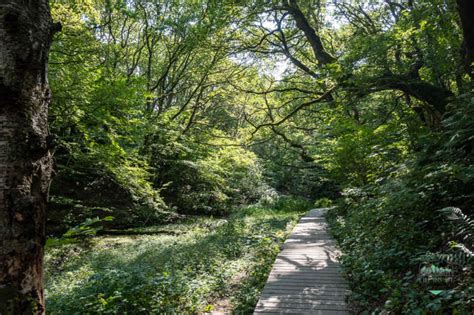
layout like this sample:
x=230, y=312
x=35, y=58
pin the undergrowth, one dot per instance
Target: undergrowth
x=408, y=237
x=186, y=270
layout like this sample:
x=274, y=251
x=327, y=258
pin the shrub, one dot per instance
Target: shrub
x=203, y=179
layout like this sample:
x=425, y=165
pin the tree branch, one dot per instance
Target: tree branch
x=325, y=96
x=302, y=23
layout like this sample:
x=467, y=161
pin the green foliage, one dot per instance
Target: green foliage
x=90, y=186
x=287, y=172
x=323, y=203
x=200, y=107
x=86, y=229
x=97, y=118
x=387, y=231
x=361, y=154
x=123, y=88
x=286, y=203
x=199, y=178
x=203, y=261
x=458, y=257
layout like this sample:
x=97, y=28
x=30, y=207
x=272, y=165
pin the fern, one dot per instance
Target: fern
x=434, y=274
x=460, y=255
x=464, y=231
x=464, y=224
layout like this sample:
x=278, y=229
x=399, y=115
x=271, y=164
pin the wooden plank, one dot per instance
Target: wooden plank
x=303, y=269
x=321, y=265
x=288, y=271
x=313, y=276
x=318, y=266
x=299, y=273
x=303, y=306
x=301, y=260
x=303, y=285
x=308, y=299
x=306, y=277
x=323, y=254
x=305, y=274
x=294, y=290
x=300, y=303
x=306, y=290
x=303, y=297
x=313, y=267
x=298, y=295
x=314, y=263
x=271, y=311
x=309, y=280
x=293, y=268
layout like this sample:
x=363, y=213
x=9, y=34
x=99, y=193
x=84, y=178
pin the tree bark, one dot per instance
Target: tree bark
x=322, y=56
x=26, y=31
x=466, y=14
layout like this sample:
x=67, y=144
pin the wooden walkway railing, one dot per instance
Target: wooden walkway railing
x=306, y=277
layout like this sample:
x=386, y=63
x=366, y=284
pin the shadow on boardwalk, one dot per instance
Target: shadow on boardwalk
x=306, y=277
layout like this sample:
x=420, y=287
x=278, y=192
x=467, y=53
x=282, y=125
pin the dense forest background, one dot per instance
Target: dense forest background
x=155, y=108
x=168, y=109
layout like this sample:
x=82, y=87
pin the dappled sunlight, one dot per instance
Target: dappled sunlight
x=169, y=272
x=306, y=276
x=155, y=156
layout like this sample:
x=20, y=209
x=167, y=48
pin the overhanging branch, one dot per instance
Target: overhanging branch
x=327, y=95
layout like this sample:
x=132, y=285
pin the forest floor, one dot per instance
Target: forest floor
x=200, y=265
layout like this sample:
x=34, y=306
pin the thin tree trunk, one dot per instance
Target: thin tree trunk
x=466, y=14
x=26, y=31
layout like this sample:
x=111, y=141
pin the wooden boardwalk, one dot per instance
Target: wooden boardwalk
x=306, y=277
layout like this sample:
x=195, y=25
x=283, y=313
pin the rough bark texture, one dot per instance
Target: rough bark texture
x=25, y=162
x=466, y=13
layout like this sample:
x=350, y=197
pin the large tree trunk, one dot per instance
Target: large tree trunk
x=26, y=32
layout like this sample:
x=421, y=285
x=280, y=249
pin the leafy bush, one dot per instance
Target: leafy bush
x=323, y=203
x=202, y=179
x=91, y=186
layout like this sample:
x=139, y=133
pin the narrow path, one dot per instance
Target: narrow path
x=306, y=277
